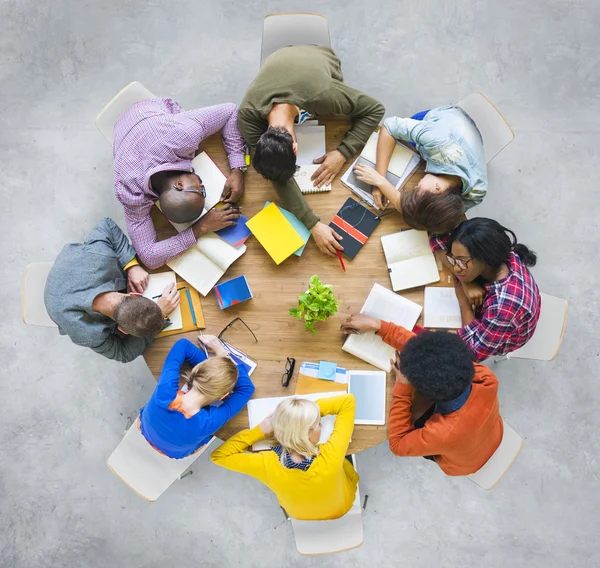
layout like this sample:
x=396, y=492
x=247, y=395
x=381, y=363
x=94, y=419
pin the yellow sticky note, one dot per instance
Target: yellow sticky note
x=275, y=233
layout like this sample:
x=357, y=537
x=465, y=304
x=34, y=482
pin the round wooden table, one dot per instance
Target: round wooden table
x=275, y=289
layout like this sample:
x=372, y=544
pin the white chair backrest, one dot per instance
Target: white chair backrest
x=132, y=93
x=494, y=129
x=293, y=28
x=328, y=537
x=549, y=332
x=145, y=470
x=495, y=468
x=33, y=308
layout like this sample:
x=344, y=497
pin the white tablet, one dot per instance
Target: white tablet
x=368, y=387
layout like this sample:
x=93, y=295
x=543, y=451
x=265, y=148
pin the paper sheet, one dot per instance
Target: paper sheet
x=156, y=284
x=260, y=408
x=442, y=309
x=311, y=144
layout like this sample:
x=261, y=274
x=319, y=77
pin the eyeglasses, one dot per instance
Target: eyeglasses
x=289, y=372
x=220, y=336
x=202, y=191
x=462, y=263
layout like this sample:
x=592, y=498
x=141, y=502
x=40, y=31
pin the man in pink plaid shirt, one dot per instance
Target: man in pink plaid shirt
x=154, y=144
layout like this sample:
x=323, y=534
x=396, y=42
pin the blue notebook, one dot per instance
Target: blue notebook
x=237, y=234
x=232, y=292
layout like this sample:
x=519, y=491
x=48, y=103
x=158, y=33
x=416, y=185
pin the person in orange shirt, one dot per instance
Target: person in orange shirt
x=462, y=428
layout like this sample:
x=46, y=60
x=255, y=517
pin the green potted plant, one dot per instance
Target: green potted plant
x=318, y=303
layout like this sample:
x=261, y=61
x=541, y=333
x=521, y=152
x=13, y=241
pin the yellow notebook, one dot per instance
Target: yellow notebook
x=275, y=233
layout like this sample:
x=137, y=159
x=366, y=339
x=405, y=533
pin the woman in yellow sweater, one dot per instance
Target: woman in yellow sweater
x=311, y=482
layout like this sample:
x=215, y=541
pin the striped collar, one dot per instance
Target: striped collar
x=289, y=464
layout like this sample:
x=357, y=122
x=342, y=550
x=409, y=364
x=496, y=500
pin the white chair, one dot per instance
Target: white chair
x=132, y=93
x=495, y=130
x=501, y=461
x=33, y=308
x=145, y=470
x=293, y=28
x=548, y=334
x=328, y=537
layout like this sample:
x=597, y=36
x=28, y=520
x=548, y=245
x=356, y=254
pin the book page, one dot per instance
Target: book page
x=219, y=251
x=414, y=272
x=385, y=305
x=196, y=269
x=260, y=408
x=405, y=245
x=156, y=284
x=311, y=144
x=441, y=308
x=212, y=178
x=401, y=156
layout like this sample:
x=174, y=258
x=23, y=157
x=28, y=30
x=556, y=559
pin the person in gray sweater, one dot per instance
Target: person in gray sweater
x=93, y=293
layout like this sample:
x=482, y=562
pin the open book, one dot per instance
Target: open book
x=260, y=408
x=403, y=163
x=441, y=308
x=385, y=305
x=202, y=265
x=156, y=284
x=410, y=260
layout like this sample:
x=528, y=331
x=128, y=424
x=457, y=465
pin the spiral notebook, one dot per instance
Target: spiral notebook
x=302, y=177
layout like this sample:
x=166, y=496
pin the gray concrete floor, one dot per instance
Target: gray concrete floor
x=63, y=408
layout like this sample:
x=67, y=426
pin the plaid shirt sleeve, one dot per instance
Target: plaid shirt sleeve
x=491, y=332
x=152, y=253
x=206, y=121
x=438, y=242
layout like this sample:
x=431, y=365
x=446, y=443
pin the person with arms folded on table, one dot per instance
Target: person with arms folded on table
x=491, y=273
x=178, y=423
x=311, y=482
x=295, y=83
x=87, y=296
x=455, y=178
x=155, y=142
x=462, y=428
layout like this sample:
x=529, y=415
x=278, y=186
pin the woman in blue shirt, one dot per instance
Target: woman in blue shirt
x=456, y=177
x=179, y=423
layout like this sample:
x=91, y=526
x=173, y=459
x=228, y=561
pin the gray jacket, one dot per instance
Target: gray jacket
x=80, y=273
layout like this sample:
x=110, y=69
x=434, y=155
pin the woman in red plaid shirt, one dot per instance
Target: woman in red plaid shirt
x=498, y=297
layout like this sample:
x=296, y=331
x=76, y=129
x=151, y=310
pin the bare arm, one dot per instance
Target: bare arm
x=385, y=148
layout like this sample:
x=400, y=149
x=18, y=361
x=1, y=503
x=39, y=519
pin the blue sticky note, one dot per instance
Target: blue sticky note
x=298, y=227
x=326, y=370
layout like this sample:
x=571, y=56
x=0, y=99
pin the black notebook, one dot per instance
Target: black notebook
x=355, y=223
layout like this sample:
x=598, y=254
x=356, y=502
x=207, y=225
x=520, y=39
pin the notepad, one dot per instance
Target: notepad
x=355, y=224
x=410, y=260
x=204, y=264
x=275, y=233
x=403, y=163
x=368, y=388
x=260, y=408
x=385, y=305
x=156, y=284
x=298, y=225
x=305, y=183
x=441, y=309
x=232, y=292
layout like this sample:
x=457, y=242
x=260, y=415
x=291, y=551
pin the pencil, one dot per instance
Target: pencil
x=160, y=295
x=189, y=297
x=341, y=261
x=386, y=213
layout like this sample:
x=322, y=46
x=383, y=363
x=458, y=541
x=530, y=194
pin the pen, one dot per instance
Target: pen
x=386, y=213
x=160, y=295
x=353, y=330
x=341, y=261
x=189, y=297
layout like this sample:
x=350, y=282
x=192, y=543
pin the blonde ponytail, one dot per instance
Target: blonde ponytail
x=214, y=377
x=293, y=420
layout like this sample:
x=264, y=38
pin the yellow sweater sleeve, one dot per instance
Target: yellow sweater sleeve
x=344, y=406
x=133, y=262
x=234, y=455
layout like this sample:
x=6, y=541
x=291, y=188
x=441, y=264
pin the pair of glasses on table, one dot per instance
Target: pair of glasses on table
x=289, y=372
x=227, y=345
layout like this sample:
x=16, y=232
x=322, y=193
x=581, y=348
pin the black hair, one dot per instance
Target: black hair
x=438, y=364
x=274, y=156
x=489, y=241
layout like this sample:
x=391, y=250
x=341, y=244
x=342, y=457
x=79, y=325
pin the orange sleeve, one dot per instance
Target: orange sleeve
x=405, y=440
x=394, y=335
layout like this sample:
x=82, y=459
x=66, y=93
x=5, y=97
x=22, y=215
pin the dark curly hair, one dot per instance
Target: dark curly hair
x=274, y=157
x=438, y=364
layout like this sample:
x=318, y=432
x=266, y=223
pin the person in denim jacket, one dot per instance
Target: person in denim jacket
x=456, y=178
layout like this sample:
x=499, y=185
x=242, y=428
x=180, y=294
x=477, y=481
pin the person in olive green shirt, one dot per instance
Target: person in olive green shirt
x=294, y=83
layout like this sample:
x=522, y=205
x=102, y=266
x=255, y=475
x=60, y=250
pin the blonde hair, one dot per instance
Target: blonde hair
x=292, y=421
x=214, y=377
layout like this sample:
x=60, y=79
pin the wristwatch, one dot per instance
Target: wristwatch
x=242, y=169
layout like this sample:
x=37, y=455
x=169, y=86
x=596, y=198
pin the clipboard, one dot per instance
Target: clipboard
x=186, y=313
